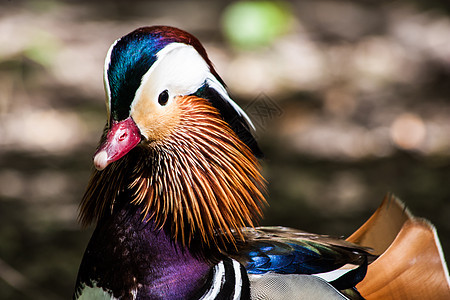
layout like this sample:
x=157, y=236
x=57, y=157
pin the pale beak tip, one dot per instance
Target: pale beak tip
x=101, y=160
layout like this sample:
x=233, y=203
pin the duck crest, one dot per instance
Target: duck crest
x=202, y=183
x=131, y=56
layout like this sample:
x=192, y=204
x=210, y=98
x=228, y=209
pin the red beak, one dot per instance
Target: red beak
x=120, y=139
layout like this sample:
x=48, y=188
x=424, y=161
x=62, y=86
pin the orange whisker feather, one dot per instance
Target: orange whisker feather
x=202, y=182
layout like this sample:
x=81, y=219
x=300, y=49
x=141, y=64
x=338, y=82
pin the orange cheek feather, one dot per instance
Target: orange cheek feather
x=155, y=122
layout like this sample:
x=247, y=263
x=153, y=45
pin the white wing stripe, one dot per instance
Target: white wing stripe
x=238, y=280
x=219, y=278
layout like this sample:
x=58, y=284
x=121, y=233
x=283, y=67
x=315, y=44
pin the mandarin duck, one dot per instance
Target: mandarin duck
x=177, y=194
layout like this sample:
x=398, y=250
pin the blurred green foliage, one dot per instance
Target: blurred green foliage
x=249, y=24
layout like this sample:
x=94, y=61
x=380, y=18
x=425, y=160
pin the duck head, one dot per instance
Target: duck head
x=146, y=73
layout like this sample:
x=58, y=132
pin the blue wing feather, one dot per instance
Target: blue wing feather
x=284, y=251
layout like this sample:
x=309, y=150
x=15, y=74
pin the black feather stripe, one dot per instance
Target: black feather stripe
x=245, y=290
x=228, y=286
x=237, y=122
x=229, y=281
x=351, y=278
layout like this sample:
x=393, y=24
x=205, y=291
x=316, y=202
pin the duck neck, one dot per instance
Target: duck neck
x=127, y=257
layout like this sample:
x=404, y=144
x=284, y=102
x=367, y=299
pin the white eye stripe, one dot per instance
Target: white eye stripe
x=214, y=83
x=182, y=70
x=106, y=80
x=179, y=68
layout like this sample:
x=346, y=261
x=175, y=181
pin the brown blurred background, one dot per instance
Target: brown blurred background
x=351, y=100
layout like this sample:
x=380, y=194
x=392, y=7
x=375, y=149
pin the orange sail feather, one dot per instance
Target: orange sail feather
x=411, y=264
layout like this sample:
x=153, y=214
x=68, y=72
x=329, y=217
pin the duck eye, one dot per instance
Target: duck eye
x=163, y=97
